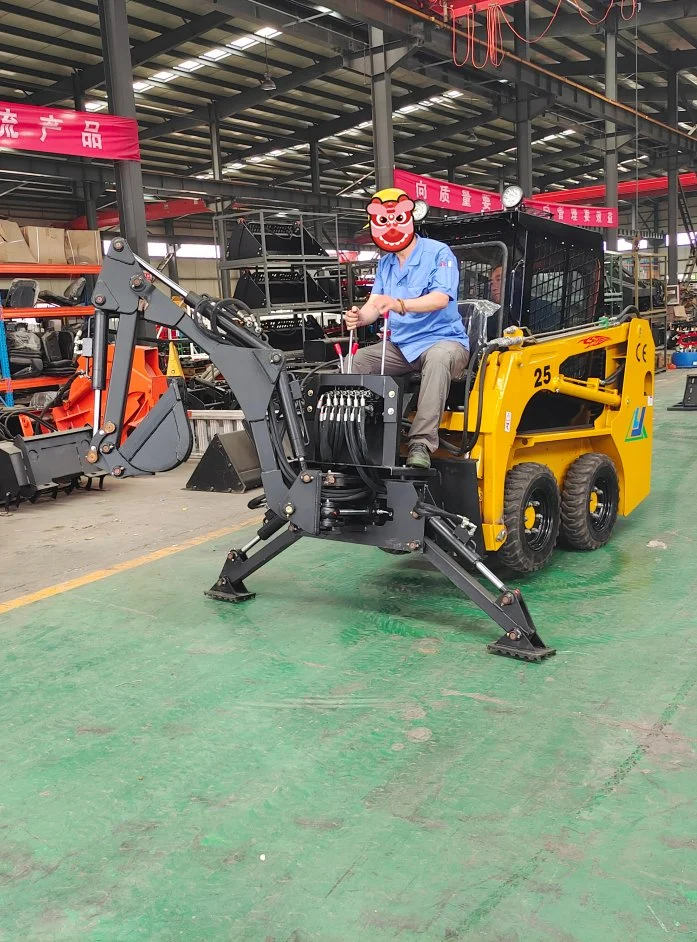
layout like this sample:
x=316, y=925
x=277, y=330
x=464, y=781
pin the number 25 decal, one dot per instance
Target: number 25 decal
x=543, y=377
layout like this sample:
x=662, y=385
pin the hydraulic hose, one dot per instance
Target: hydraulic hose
x=469, y=443
x=15, y=412
x=356, y=458
x=60, y=395
x=613, y=377
x=316, y=369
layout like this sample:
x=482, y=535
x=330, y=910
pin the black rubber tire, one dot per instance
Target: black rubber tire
x=582, y=528
x=525, y=551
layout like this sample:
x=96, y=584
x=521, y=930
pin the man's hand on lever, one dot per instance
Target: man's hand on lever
x=377, y=306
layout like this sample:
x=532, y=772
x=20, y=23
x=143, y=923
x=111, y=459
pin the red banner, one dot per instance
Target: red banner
x=459, y=199
x=599, y=217
x=469, y=199
x=77, y=133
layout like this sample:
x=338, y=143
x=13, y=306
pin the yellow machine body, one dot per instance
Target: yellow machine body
x=623, y=430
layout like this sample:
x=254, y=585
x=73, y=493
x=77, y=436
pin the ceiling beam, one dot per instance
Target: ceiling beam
x=317, y=132
x=90, y=7
x=140, y=54
x=656, y=94
x=595, y=65
x=573, y=24
x=340, y=36
x=227, y=107
x=168, y=183
x=56, y=43
x=476, y=153
x=405, y=145
x=561, y=176
x=576, y=97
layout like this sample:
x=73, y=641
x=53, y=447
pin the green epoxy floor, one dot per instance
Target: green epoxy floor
x=341, y=760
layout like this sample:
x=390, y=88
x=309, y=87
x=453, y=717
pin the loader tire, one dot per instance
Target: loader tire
x=589, y=502
x=531, y=514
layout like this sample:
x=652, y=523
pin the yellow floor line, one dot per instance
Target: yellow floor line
x=98, y=574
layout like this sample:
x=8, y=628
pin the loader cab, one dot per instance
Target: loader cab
x=546, y=276
x=526, y=270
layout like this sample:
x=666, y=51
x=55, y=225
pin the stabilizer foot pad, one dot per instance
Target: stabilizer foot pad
x=230, y=593
x=521, y=649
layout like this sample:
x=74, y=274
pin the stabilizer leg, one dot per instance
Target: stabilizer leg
x=508, y=608
x=230, y=585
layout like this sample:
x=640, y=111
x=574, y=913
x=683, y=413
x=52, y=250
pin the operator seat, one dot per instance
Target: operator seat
x=476, y=322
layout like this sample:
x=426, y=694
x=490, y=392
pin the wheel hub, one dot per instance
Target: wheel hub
x=537, y=519
x=529, y=517
x=598, y=506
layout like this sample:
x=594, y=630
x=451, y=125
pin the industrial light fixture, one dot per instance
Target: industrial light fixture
x=267, y=83
x=512, y=197
x=420, y=210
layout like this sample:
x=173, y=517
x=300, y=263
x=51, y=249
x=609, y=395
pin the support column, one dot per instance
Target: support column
x=172, y=269
x=383, y=134
x=611, y=172
x=451, y=174
x=217, y=161
x=673, y=183
x=316, y=180
x=656, y=245
x=118, y=73
x=314, y=168
x=521, y=21
x=88, y=196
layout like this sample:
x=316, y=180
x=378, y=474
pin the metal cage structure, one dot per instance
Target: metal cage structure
x=551, y=273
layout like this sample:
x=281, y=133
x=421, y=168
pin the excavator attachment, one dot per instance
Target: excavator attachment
x=163, y=440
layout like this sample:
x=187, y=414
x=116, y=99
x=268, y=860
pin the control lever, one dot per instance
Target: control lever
x=385, y=334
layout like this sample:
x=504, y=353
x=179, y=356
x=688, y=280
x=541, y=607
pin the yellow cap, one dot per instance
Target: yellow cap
x=389, y=193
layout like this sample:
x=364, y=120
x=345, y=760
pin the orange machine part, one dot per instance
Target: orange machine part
x=147, y=384
x=26, y=425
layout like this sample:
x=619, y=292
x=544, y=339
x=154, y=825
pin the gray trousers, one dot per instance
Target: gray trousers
x=445, y=360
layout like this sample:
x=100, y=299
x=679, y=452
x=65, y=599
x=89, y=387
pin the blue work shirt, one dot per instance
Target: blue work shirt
x=430, y=267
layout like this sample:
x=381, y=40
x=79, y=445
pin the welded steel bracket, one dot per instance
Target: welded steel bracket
x=508, y=609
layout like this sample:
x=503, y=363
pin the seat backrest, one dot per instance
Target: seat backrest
x=75, y=289
x=23, y=292
x=476, y=319
x=66, y=340
x=51, y=346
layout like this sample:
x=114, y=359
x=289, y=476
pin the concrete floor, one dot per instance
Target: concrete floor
x=57, y=540
x=340, y=760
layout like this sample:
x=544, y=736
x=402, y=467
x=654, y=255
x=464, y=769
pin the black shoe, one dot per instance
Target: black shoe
x=419, y=456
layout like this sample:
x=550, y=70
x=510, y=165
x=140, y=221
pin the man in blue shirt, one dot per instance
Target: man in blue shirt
x=416, y=291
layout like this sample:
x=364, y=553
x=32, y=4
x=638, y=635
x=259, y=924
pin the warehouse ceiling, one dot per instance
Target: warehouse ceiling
x=192, y=54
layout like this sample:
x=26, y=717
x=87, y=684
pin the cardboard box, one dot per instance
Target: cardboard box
x=83, y=247
x=677, y=312
x=13, y=248
x=46, y=245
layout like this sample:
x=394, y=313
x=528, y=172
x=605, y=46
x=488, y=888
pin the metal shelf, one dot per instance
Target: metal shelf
x=283, y=261
x=16, y=269
x=331, y=307
x=32, y=270
x=20, y=313
x=261, y=226
x=32, y=382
